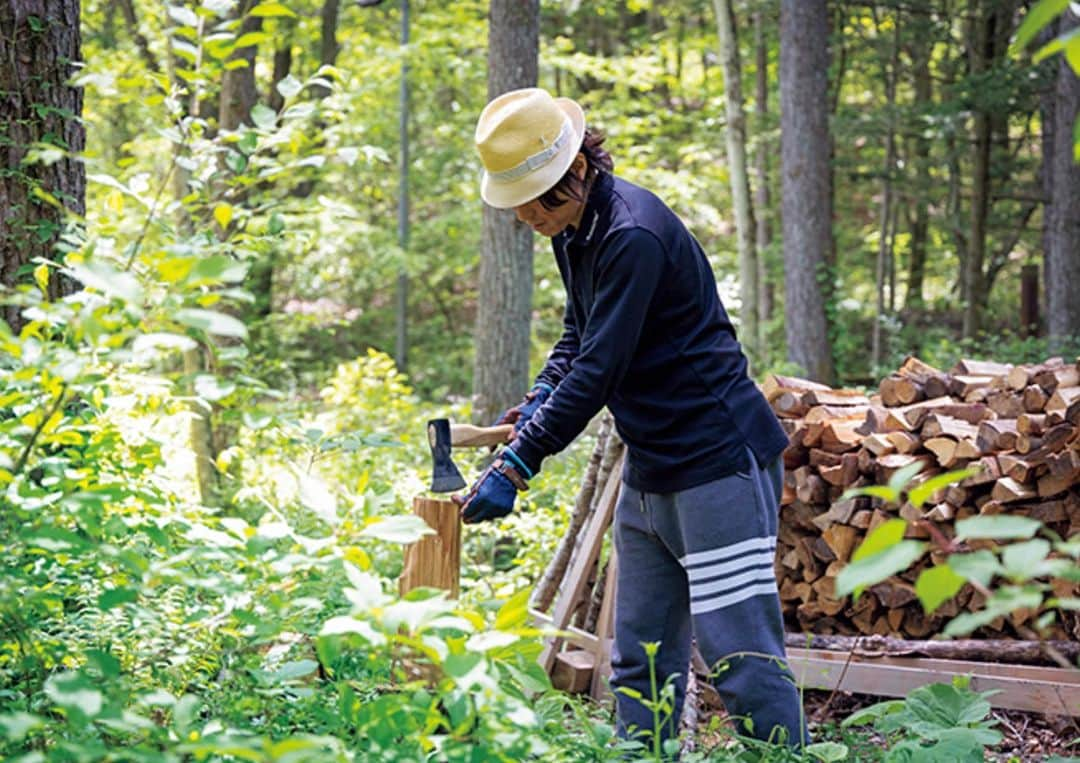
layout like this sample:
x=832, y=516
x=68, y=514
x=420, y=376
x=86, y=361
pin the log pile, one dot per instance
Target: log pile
x=1018, y=425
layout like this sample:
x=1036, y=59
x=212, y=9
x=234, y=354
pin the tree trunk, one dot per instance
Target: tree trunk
x=737, y=173
x=884, y=255
x=920, y=224
x=505, y=294
x=39, y=46
x=1063, y=254
x=762, y=195
x=282, y=63
x=401, y=309
x=804, y=64
x=972, y=281
x=328, y=46
x=238, y=92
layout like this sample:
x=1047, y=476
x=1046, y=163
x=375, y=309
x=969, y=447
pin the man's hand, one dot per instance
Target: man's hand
x=493, y=494
x=520, y=414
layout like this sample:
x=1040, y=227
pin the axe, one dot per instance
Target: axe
x=442, y=436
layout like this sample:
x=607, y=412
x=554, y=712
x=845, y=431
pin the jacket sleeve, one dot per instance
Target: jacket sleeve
x=628, y=272
x=562, y=356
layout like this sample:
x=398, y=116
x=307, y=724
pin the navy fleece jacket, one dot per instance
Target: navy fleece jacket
x=645, y=334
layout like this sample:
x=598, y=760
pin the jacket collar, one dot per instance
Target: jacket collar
x=593, y=217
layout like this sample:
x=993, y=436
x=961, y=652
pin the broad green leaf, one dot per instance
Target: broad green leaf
x=1027, y=560
x=275, y=225
x=289, y=87
x=183, y=16
x=827, y=752
x=17, y=725
x=979, y=567
x=41, y=277
x=296, y=669
x=315, y=495
x=936, y=585
x=345, y=624
x=1038, y=17
x=997, y=527
x=1002, y=602
x=218, y=269
x=488, y=640
x=251, y=38
x=146, y=344
x=210, y=387
x=887, y=534
x=114, y=597
x=73, y=691
x=869, y=570
x=185, y=713
x=212, y=322
x=399, y=528
x=884, y=492
x=55, y=539
x=515, y=612
x=367, y=591
x=1070, y=603
x=107, y=280
x=1057, y=45
x=263, y=116
x=918, y=495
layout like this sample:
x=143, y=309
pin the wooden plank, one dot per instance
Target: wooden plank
x=605, y=631
x=587, y=554
x=572, y=634
x=1020, y=687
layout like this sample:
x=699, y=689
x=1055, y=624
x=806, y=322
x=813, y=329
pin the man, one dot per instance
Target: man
x=646, y=335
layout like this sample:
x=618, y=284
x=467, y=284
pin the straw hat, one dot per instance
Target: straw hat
x=527, y=140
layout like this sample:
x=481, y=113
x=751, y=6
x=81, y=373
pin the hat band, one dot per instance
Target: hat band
x=537, y=160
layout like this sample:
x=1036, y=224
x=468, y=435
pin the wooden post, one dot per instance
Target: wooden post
x=435, y=560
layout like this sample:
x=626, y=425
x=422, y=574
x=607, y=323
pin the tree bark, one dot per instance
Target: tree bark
x=762, y=193
x=238, y=92
x=920, y=224
x=807, y=209
x=401, y=308
x=971, y=283
x=501, y=371
x=1063, y=255
x=738, y=175
x=884, y=255
x=40, y=45
x=988, y=650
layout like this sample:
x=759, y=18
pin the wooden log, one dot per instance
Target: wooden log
x=889, y=465
x=1062, y=376
x=827, y=413
x=986, y=368
x=1006, y=404
x=996, y=435
x=904, y=442
x=878, y=444
x=909, y=417
x=774, y=385
x=1031, y=424
x=1062, y=398
x=1019, y=469
x=435, y=560
x=1034, y=398
x=841, y=539
x=1021, y=652
x=1021, y=376
x=963, y=385
x=988, y=470
x=840, y=436
x=944, y=450
x=938, y=425
x=1008, y=490
x=835, y=397
x=901, y=390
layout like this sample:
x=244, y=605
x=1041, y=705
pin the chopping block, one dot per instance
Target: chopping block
x=434, y=561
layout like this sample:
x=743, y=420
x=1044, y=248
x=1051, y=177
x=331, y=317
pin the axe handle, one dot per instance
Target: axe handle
x=468, y=435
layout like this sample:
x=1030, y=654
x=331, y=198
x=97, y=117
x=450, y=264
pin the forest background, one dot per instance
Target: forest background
x=225, y=221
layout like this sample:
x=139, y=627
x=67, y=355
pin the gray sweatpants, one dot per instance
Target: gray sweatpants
x=700, y=563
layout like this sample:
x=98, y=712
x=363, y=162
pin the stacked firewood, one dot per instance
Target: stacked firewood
x=1019, y=426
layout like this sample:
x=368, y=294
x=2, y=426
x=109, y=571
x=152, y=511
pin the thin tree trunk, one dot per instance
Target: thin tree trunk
x=807, y=209
x=920, y=225
x=501, y=372
x=127, y=8
x=328, y=46
x=401, y=310
x=762, y=195
x=739, y=177
x=238, y=92
x=885, y=241
x=972, y=282
x=1063, y=256
x=282, y=63
x=40, y=46
x=1048, y=114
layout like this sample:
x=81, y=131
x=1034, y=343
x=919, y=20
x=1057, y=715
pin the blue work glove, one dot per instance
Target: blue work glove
x=520, y=414
x=493, y=494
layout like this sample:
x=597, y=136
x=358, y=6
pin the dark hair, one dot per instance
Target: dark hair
x=570, y=186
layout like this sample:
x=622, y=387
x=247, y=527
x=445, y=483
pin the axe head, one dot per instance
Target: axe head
x=445, y=477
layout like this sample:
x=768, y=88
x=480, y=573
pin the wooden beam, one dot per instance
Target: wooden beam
x=1020, y=687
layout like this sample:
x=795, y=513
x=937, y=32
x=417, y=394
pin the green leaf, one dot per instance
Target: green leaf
x=884, y=492
x=315, y=495
x=827, y=752
x=18, y=724
x=515, y=612
x=186, y=713
x=918, y=495
x=74, y=692
x=867, y=571
x=55, y=539
x=107, y=280
x=901, y=477
x=1057, y=45
x=979, y=567
x=212, y=322
x=183, y=16
x=217, y=268
x=936, y=585
x=263, y=116
x=152, y=343
x=290, y=671
x=1038, y=17
x=399, y=528
x=289, y=87
x=223, y=214
x=887, y=534
x=1002, y=602
x=210, y=387
x=251, y=38
x=1026, y=560
x=275, y=225
x=114, y=597
x=271, y=9
x=996, y=527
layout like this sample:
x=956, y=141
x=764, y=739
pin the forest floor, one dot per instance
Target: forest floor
x=1027, y=736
